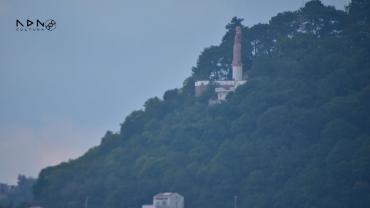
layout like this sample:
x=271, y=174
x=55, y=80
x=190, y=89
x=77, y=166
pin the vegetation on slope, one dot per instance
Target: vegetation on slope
x=296, y=135
x=19, y=195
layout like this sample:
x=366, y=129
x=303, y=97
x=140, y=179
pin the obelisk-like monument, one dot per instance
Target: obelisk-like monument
x=237, y=56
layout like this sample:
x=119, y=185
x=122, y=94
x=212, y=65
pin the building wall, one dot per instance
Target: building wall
x=224, y=87
x=237, y=73
x=168, y=200
x=225, y=82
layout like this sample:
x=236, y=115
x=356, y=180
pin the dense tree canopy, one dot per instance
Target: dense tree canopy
x=19, y=195
x=296, y=135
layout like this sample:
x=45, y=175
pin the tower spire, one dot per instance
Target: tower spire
x=237, y=61
x=237, y=55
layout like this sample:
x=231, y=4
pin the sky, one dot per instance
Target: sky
x=61, y=90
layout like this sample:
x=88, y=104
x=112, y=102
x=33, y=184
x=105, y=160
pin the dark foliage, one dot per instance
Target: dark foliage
x=20, y=195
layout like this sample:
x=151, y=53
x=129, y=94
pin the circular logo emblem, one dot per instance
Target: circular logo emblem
x=50, y=25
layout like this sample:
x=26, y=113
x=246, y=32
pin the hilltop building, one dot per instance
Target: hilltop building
x=224, y=87
x=166, y=200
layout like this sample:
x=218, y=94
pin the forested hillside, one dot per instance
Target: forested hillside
x=296, y=135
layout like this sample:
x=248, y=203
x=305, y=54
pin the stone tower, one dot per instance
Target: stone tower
x=237, y=56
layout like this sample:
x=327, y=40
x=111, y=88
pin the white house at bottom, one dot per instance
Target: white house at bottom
x=166, y=200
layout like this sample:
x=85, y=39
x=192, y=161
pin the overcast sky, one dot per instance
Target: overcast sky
x=60, y=91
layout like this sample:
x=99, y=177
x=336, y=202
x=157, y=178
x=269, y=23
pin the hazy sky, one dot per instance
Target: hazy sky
x=60, y=91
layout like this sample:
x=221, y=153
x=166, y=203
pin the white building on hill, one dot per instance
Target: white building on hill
x=222, y=88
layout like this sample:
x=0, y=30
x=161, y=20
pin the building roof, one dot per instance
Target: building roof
x=166, y=194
